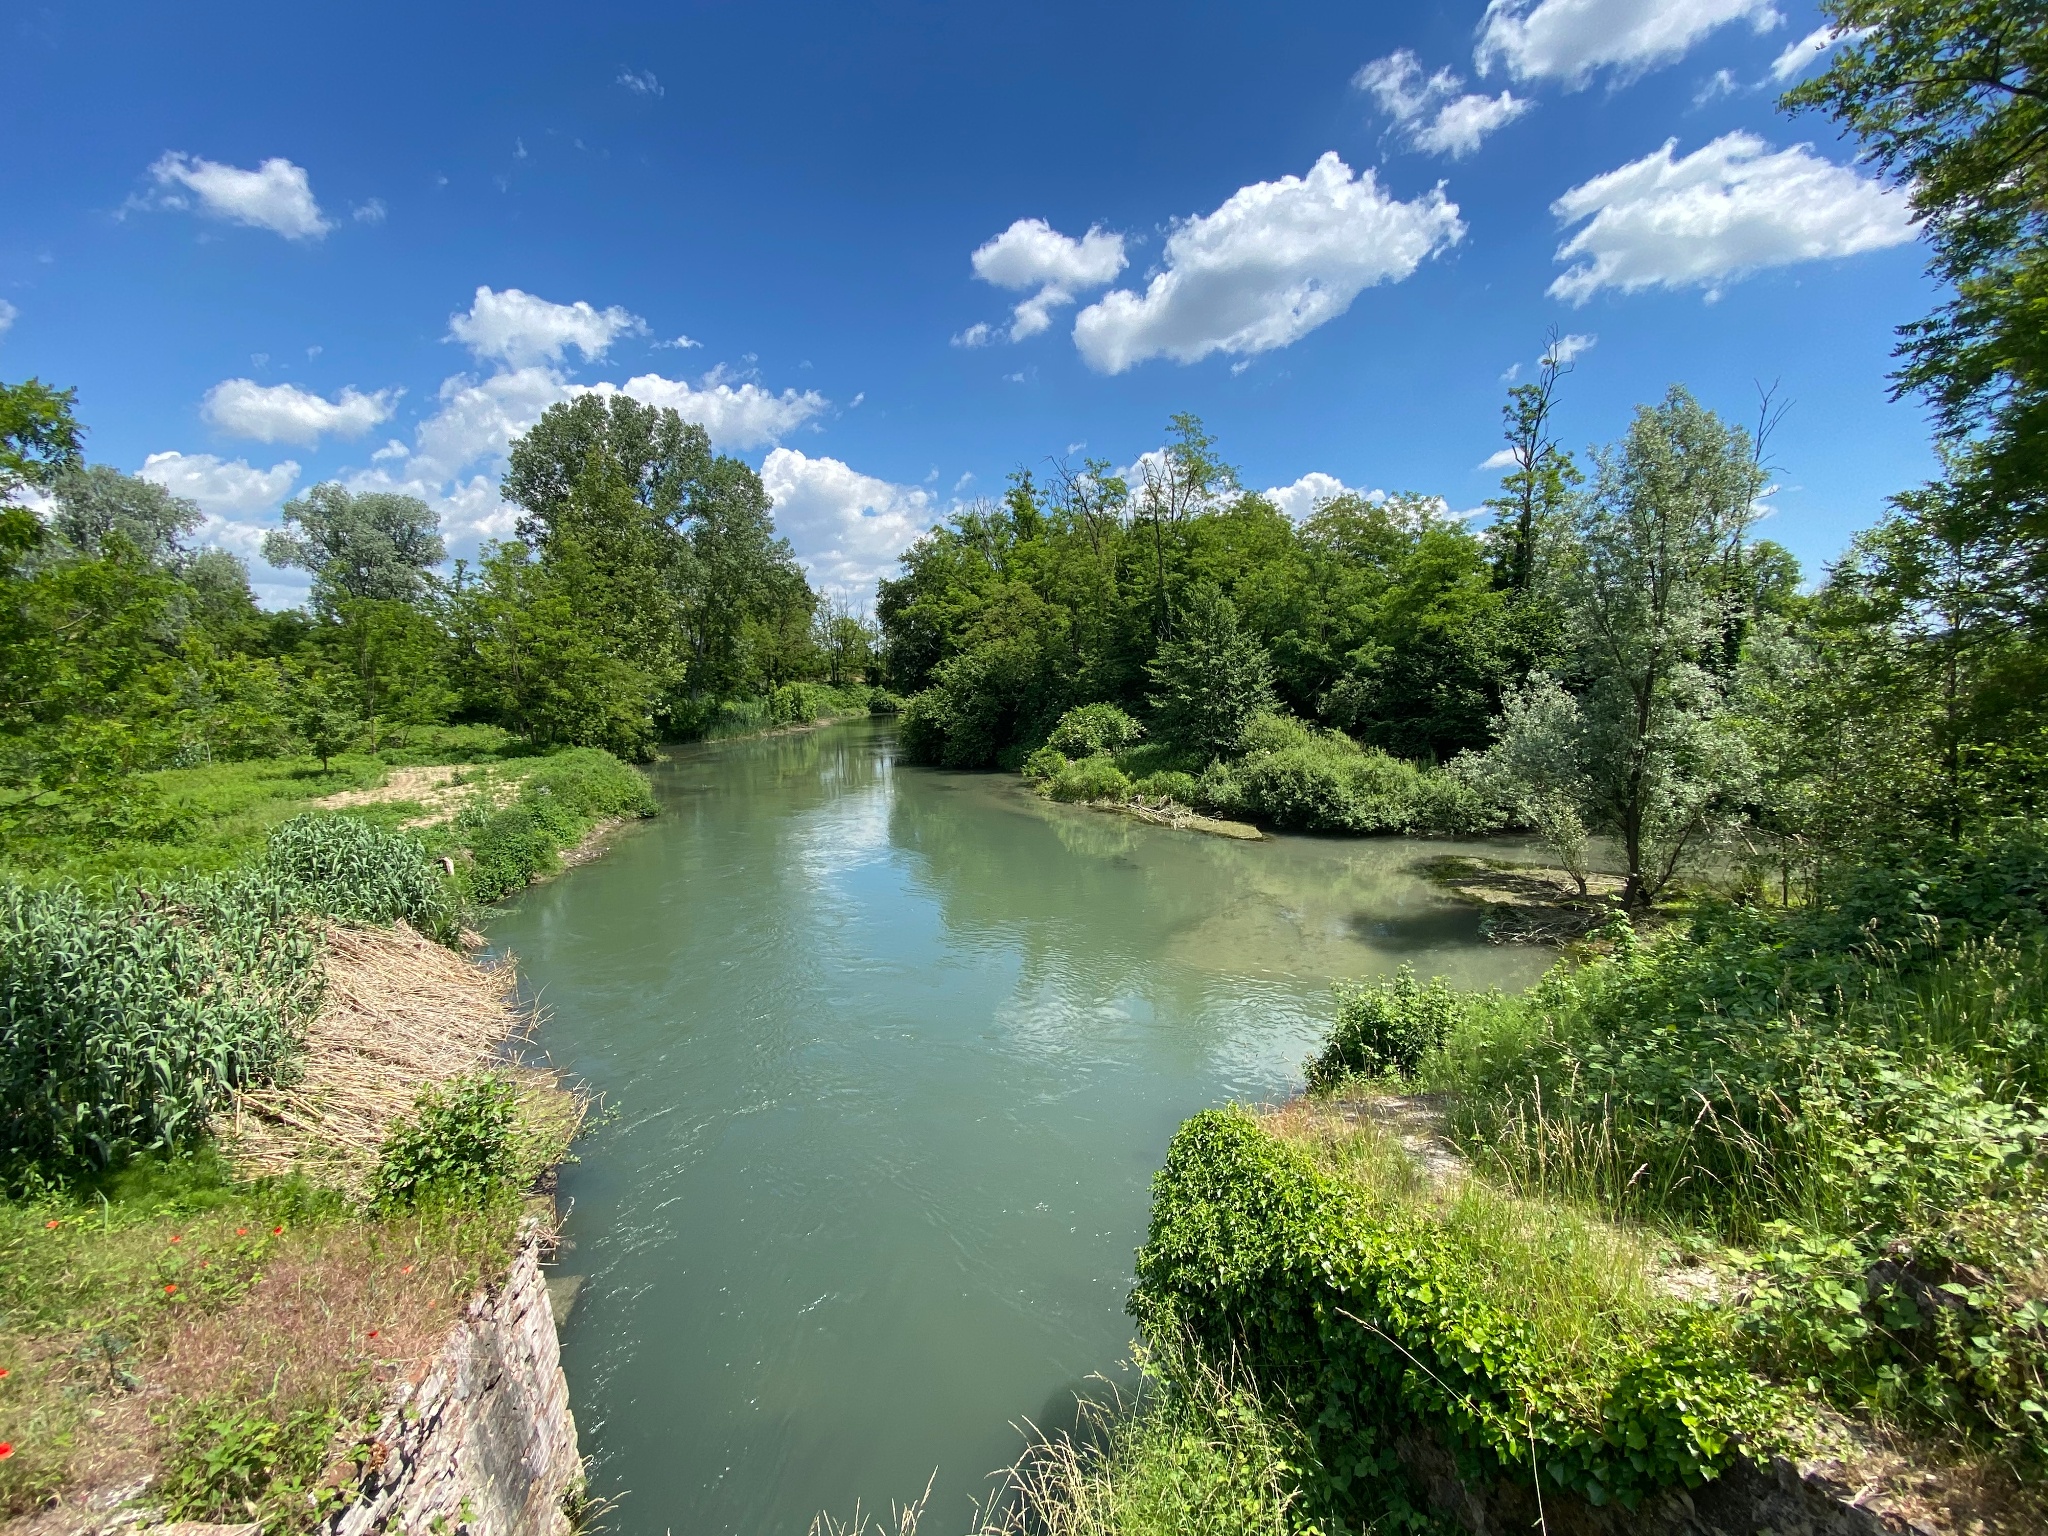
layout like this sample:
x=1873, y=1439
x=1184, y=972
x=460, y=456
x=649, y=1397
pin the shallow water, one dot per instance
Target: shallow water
x=894, y=1054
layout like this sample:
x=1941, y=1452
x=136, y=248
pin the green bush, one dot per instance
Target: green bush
x=1385, y=1029
x=127, y=1020
x=1092, y=778
x=1218, y=792
x=343, y=867
x=1299, y=787
x=1092, y=728
x=560, y=801
x=461, y=1148
x=882, y=702
x=1850, y=1092
x=1166, y=785
x=1274, y=732
x=1044, y=764
x=1373, y=1317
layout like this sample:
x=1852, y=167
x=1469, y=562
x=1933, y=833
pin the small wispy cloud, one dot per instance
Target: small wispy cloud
x=371, y=212
x=641, y=82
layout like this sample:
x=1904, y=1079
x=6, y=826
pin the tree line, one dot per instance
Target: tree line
x=644, y=586
x=1616, y=652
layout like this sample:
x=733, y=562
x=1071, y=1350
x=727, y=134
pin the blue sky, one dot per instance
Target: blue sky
x=271, y=247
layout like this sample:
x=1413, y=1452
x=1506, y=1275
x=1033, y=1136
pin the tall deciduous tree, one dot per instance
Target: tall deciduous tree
x=1650, y=741
x=375, y=545
x=1210, y=678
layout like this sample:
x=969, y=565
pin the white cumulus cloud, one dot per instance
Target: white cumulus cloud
x=1276, y=260
x=1570, y=347
x=1725, y=210
x=846, y=527
x=1568, y=40
x=1301, y=498
x=1032, y=254
x=743, y=415
x=276, y=195
x=518, y=329
x=225, y=488
x=7, y=314
x=284, y=413
x=1816, y=45
x=1433, y=112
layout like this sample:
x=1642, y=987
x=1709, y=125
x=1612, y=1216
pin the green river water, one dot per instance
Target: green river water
x=894, y=1054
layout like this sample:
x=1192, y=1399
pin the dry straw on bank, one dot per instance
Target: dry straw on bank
x=399, y=1012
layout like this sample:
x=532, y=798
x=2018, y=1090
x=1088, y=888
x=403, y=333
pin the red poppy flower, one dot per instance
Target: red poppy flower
x=373, y=1333
x=276, y=1231
x=405, y=1269
x=6, y=1449
x=241, y=1231
x=176, y=1239
x=170, y=1290
x=53, y=1223
x=3, y=1370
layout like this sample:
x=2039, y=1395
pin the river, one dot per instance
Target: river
x=892, y=1055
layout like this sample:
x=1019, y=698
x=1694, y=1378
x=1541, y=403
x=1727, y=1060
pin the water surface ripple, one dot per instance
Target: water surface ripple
x=893, y=1055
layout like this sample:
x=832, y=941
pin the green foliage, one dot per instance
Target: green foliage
x=351, y=869
x=1093, y=728
x=1092, y=778
x=558, y=804
x=231, y=1461
x=1210, y=678
x=1947, y=99
x=1198, y=1454
x=1167, y=784
x=1293, y=775
x=1848, y=1092
x=39, y=436
x=1044, y=764
x=129, y=1019
x=802, y=703
x=1385, y=1029
x=1007, y=685
x=372, y=546
x=1371, y=1312
x=460, y=1148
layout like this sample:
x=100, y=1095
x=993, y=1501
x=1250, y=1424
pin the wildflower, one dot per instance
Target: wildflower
x=6, y=1449
x=373, y=1333
x=3, y=1370
x=170, y=1290
x=405, y=1269
x=53, y=1223
x=241, y=1231
x=176, y=1239
x=277, y=1231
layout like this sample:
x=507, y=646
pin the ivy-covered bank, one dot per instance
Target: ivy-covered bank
x=1770, y=1184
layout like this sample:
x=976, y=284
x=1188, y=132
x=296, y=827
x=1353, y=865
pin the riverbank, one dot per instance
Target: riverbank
x=274, y=1162
x=1736, y=1228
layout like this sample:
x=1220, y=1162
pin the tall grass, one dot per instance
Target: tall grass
x=127, y=1017
x=559, y=802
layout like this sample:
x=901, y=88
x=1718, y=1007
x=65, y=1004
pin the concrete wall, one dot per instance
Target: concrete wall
x=484, y=1444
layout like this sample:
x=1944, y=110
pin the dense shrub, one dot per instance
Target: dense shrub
x=460, y=1147
x=1373, y=1315
x=1293, y=775
x=126, y=1021
x=1092, y=778
x=1168, y=784
x=1387, y=1028
x=343, y=867
x=1850, y=1092
x=1093, y=728
x=558, y=804
x=882, y=702
x=1044, y=764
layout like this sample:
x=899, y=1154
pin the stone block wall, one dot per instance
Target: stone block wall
x=484, y=1444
